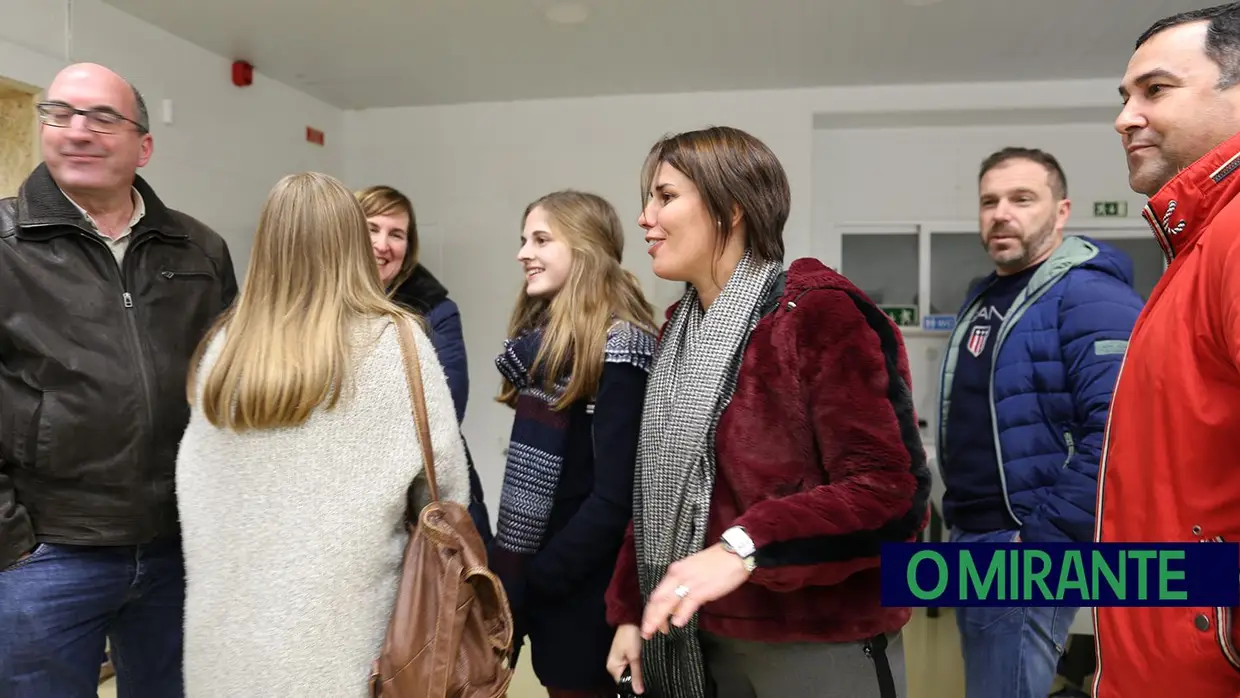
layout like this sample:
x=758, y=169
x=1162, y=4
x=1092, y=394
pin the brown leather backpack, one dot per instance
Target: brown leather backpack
x=450, y=635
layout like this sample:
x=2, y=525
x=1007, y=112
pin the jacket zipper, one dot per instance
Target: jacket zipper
x=175, y=274
x=141, y=360
x=994, y=422
x=1027, y=298
x=1168, y=253
x=1102, y=469
x=953, y=342
x=1067, y=438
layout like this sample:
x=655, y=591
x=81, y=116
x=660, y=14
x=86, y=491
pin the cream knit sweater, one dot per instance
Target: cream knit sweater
x=293, y=538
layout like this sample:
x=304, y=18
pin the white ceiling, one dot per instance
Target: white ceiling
x=378, y=53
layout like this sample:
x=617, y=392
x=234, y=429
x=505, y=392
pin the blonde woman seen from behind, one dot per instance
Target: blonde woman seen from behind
x=294, y=474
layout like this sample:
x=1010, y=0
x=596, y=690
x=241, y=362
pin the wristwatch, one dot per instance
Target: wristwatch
x=738, y=542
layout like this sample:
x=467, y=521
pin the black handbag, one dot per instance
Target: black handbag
x=624, y=687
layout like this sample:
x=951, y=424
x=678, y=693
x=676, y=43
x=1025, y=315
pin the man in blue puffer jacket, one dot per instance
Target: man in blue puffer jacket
x=1026, y=387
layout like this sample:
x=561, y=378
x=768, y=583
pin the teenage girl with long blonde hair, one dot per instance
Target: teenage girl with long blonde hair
x=294, y=472
x=574, y=369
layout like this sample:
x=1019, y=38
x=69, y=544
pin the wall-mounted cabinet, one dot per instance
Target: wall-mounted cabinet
x=921, y=272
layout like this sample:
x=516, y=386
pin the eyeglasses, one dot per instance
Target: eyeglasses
x=101, y=120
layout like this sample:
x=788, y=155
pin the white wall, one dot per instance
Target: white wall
x=227, y=145
x=930, y=173
x=471, y=169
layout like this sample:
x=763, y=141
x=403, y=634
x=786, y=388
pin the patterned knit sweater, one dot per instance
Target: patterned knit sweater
x=293, y=538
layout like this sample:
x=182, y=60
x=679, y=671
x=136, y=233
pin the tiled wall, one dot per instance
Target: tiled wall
x=18, y=148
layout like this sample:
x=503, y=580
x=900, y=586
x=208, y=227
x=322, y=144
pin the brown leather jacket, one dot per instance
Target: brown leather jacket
x=93, y=360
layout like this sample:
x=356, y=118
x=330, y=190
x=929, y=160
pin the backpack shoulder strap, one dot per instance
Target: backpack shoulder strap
x=417, y=397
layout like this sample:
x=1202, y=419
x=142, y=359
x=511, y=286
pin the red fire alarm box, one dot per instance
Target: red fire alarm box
x=242, y=74
x=314, y=135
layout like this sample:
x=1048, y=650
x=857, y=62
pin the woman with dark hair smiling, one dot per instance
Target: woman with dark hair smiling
x=779, y=449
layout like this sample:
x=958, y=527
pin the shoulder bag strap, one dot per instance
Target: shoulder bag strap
x=413, y=376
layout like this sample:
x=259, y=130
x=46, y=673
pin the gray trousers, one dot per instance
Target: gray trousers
x=743, y=669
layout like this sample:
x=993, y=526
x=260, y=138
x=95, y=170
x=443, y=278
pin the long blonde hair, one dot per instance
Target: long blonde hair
x=287, y=345
x=598, y=292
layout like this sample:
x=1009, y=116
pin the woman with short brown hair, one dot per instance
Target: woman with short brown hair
x=779, y=449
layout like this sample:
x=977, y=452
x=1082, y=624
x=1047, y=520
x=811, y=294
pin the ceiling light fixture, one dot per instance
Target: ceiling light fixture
x=568, y=13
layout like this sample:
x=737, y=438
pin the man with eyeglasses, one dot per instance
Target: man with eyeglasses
x=104, y=295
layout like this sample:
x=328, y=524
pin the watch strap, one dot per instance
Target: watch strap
x=750, y=563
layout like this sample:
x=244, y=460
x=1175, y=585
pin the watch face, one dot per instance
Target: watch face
x=739, y=541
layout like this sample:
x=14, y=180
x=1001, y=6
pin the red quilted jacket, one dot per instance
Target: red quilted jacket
x=1167, y=472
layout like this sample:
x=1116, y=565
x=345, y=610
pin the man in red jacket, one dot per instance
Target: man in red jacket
x=1168, y=470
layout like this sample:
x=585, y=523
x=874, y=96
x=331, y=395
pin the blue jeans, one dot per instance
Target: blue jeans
x=1010, y=652
x=58, y=605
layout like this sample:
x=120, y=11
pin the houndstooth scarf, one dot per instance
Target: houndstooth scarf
x=693, y=379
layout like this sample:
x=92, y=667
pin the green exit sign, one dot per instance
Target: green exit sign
x=903, y=315
x=1110, y=209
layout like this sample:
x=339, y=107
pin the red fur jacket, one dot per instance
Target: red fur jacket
x=820, y=459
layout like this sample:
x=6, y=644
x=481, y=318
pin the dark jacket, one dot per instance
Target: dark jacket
x=1055, y=365
x=557, y=594
x=423, y=294
x=93, y=361
x=819, y=458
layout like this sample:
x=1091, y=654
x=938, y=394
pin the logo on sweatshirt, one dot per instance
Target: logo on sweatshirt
x=977, y=340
